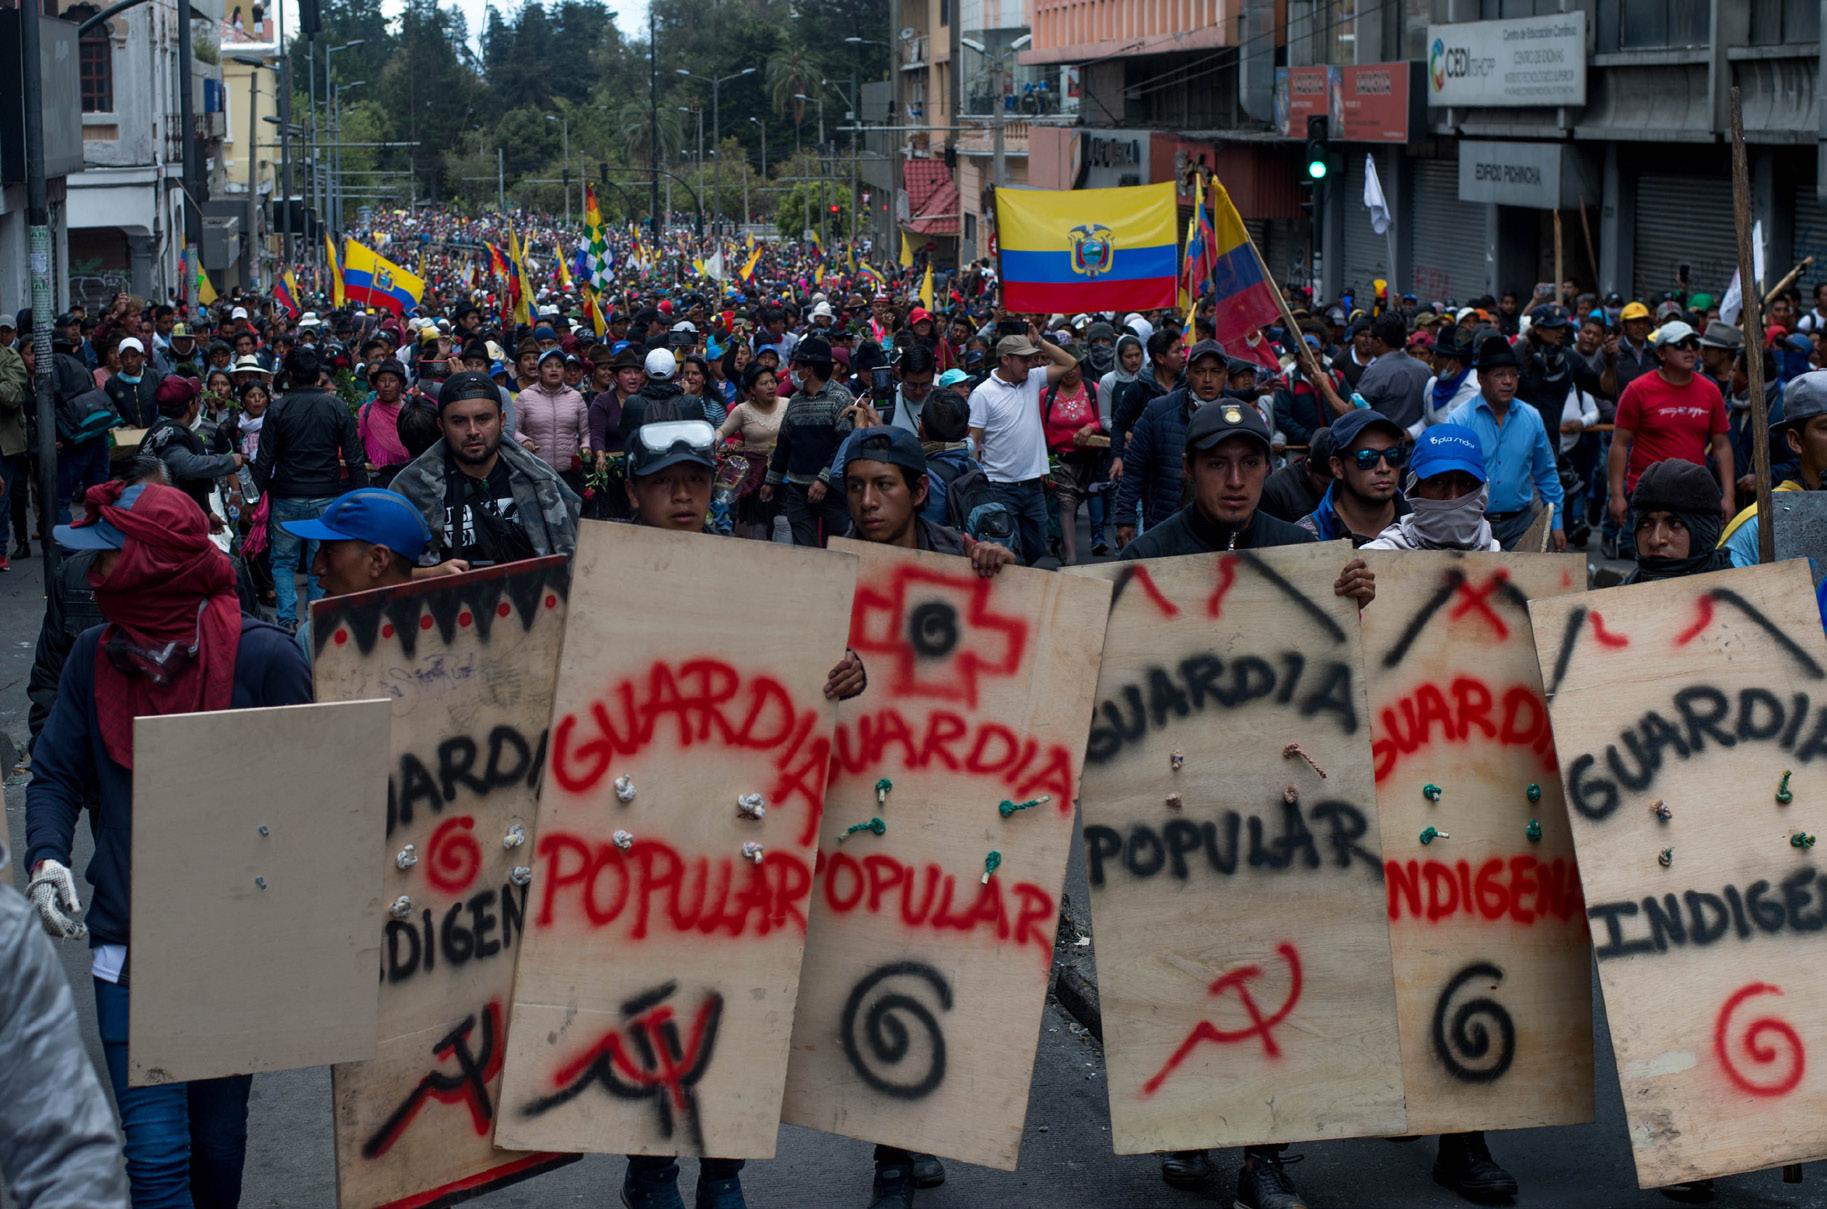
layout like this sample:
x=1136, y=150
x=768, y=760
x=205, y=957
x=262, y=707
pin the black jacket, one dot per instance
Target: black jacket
x=300, y=443
x=193, y=469
x=1189, y=532
x=136, y=402
x=634, y=409
x=77, y=608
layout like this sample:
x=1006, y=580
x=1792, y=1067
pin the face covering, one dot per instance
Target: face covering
x=1703, y=529
x=1102, y=358
x=130, y=379
x=1449, y=524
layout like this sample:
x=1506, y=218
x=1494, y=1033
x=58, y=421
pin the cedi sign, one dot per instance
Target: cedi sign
x=1532, y=61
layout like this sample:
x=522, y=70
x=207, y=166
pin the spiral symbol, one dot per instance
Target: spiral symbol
x=884, y=1039
x=932, y=629
x=1754, y=1043
x=452, y=856
x=1466, y=1049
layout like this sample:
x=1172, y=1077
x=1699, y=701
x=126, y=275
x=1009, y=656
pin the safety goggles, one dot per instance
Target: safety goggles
x=670, y=436
x=1395, y=455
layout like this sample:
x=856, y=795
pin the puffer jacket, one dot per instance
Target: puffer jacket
x=59, y=1147
x=556, y=421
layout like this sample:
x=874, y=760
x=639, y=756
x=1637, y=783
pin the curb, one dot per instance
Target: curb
x=1073, y=988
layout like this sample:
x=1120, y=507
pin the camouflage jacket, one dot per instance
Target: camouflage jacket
x=546, y=508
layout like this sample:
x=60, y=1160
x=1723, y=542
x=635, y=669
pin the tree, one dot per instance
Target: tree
x=791, y=73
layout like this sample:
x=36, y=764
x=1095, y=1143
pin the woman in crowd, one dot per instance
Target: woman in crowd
x=757, y=418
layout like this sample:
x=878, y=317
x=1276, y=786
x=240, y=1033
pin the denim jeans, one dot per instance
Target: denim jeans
x=1028, y=501
x=186, y=1142
x=12, y=479
x=80, y=467
x=285, y=553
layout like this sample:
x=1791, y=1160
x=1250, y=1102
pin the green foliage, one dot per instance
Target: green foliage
x=808, y=205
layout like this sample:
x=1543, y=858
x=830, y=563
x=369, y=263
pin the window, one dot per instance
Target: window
x=1652, y=24
x=95, y=61
x=1780, y=22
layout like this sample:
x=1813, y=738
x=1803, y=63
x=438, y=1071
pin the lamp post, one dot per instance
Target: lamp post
x=253, y=166
x=699, y=110
x=336, y=157
x=320, y=181
x=717, y=82
x=856, y=121
x=564, y=121
x=764, y=168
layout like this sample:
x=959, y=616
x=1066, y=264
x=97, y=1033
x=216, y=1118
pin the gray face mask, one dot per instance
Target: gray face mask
x=1449, y=524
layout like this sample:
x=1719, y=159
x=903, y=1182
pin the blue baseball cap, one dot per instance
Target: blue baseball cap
x=896, y=446
x=1352, y=425
x=99, y=534
x=1445, y=448
x=368, y=514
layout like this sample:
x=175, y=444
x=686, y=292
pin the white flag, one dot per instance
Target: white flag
x=714, y=266
x=1373, y=197
x=1732, y=306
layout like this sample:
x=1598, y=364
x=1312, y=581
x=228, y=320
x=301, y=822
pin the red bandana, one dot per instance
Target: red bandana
x=170, y=586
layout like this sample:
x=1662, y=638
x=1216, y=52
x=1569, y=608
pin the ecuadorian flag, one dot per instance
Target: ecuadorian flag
x=372, y=280
x=1088, y=249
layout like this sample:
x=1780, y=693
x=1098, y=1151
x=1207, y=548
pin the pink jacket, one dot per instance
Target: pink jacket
x=557, y=421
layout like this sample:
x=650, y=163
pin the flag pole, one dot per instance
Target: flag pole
x=1302, y=354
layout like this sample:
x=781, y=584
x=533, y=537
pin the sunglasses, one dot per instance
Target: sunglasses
x=1689, y=345
x=1395, y=455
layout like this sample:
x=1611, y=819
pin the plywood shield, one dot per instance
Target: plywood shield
x=467, y=664
x=932, y=937
x=1493, y=970
x=1690, y=720
x=256, y=874
x=1236, y=892
x=654, y=995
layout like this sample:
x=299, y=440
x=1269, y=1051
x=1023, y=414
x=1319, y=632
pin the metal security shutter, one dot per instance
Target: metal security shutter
x=1684, y=220
x=1286, y=252
x=1449, y=237
x=1366, y=254
x=1810, y=240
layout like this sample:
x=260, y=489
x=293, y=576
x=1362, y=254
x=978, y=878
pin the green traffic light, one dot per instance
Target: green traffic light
x=1316, y=169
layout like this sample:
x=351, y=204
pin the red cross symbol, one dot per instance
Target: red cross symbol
x=1477, y=600
x=938, y=632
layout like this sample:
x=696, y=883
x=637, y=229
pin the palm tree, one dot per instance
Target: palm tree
x=631, y=121
x=789, y=74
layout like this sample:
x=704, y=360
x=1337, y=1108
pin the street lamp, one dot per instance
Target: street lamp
x=318, y=178
x=253, y=165
x=763, y=127
x=699, y=110
x=336, y=153
x=564, y=121
x=716, y=82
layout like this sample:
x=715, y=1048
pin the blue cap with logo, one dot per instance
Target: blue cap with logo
x=1445, y=448
x=368, y=514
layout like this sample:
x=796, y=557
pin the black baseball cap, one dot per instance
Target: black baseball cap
x=1353, y=424
x=1223, y=419
x=896, y=446
x=468, y=385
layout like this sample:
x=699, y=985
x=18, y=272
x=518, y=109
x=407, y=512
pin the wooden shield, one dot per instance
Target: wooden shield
x=932, y=938
x=654, y=995
x=1706, y=696
x=1231, y=836
x=1493, y=982
x=467, y=663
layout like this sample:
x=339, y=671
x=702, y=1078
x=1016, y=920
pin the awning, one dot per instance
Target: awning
x=932, y=198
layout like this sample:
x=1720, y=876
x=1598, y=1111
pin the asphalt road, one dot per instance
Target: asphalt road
x=1065, y=1158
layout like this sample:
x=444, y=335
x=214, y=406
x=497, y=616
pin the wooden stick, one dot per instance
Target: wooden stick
x=1754, y=334
x=1558, y=277
x=1592, y=252
x=1303, y=355
x=1788, y=280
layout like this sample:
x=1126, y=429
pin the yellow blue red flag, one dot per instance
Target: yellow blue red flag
x=373, y=280
x=1243, y=296
x=1088, y=249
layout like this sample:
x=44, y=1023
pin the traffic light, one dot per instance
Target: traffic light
x=836, y=209
x=1319, y=149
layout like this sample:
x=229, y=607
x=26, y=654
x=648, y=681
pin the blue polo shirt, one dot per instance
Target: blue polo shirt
x=1518, y=455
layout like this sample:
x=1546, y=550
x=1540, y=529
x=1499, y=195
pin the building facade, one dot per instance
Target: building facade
x=63, y=156
x=250, y=140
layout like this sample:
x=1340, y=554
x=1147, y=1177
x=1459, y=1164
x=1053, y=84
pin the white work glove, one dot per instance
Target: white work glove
x=53, y=893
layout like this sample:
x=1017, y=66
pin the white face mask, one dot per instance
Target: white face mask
x=1449, y=524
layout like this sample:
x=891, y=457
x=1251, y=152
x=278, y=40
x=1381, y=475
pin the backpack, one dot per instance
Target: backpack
x=971, y=507
x=84, y=411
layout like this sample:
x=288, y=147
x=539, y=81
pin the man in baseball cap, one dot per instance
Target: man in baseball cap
x=1365, y=497
x=1446, y=492
x=367, y=538
x=1802, y=427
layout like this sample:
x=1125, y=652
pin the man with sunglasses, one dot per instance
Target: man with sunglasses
x=487, y=501
x=1365, y=497
x=1671, y=413
x=1518, y=454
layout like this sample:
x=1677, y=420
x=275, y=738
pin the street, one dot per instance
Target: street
x=1065, y=1152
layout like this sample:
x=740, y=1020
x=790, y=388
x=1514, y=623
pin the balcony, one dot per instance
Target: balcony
x=913, y=53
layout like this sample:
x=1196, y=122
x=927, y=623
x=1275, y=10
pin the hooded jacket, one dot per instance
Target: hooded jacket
x=546, y=508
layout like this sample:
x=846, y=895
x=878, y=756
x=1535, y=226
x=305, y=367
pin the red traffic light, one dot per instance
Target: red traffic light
x=835, y=208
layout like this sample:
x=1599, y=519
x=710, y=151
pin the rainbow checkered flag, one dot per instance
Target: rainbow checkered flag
x=596, y=241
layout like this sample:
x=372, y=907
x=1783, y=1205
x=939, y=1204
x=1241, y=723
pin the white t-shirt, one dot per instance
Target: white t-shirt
x=1014, y=440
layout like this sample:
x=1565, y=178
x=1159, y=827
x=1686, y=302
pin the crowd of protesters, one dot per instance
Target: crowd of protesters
x=226, y=465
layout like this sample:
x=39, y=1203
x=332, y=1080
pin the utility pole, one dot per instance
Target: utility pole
x=187, y=125
x=856, y=124
x=253, y=175
x=38, y=219
x=653, y=121
x=317, y=252
x=501, y=180
x=287, y=251
x=1000, y=161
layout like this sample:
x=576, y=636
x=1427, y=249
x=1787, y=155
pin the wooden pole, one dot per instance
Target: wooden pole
x=1592, y=251
x=1558, y=273
x=1788, y=280
x=1754, y=334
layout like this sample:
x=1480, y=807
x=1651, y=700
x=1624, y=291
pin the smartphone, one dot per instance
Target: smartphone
x=1011, y=327
x=881, y=382
x=1681, y=271
x=1544, y=289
